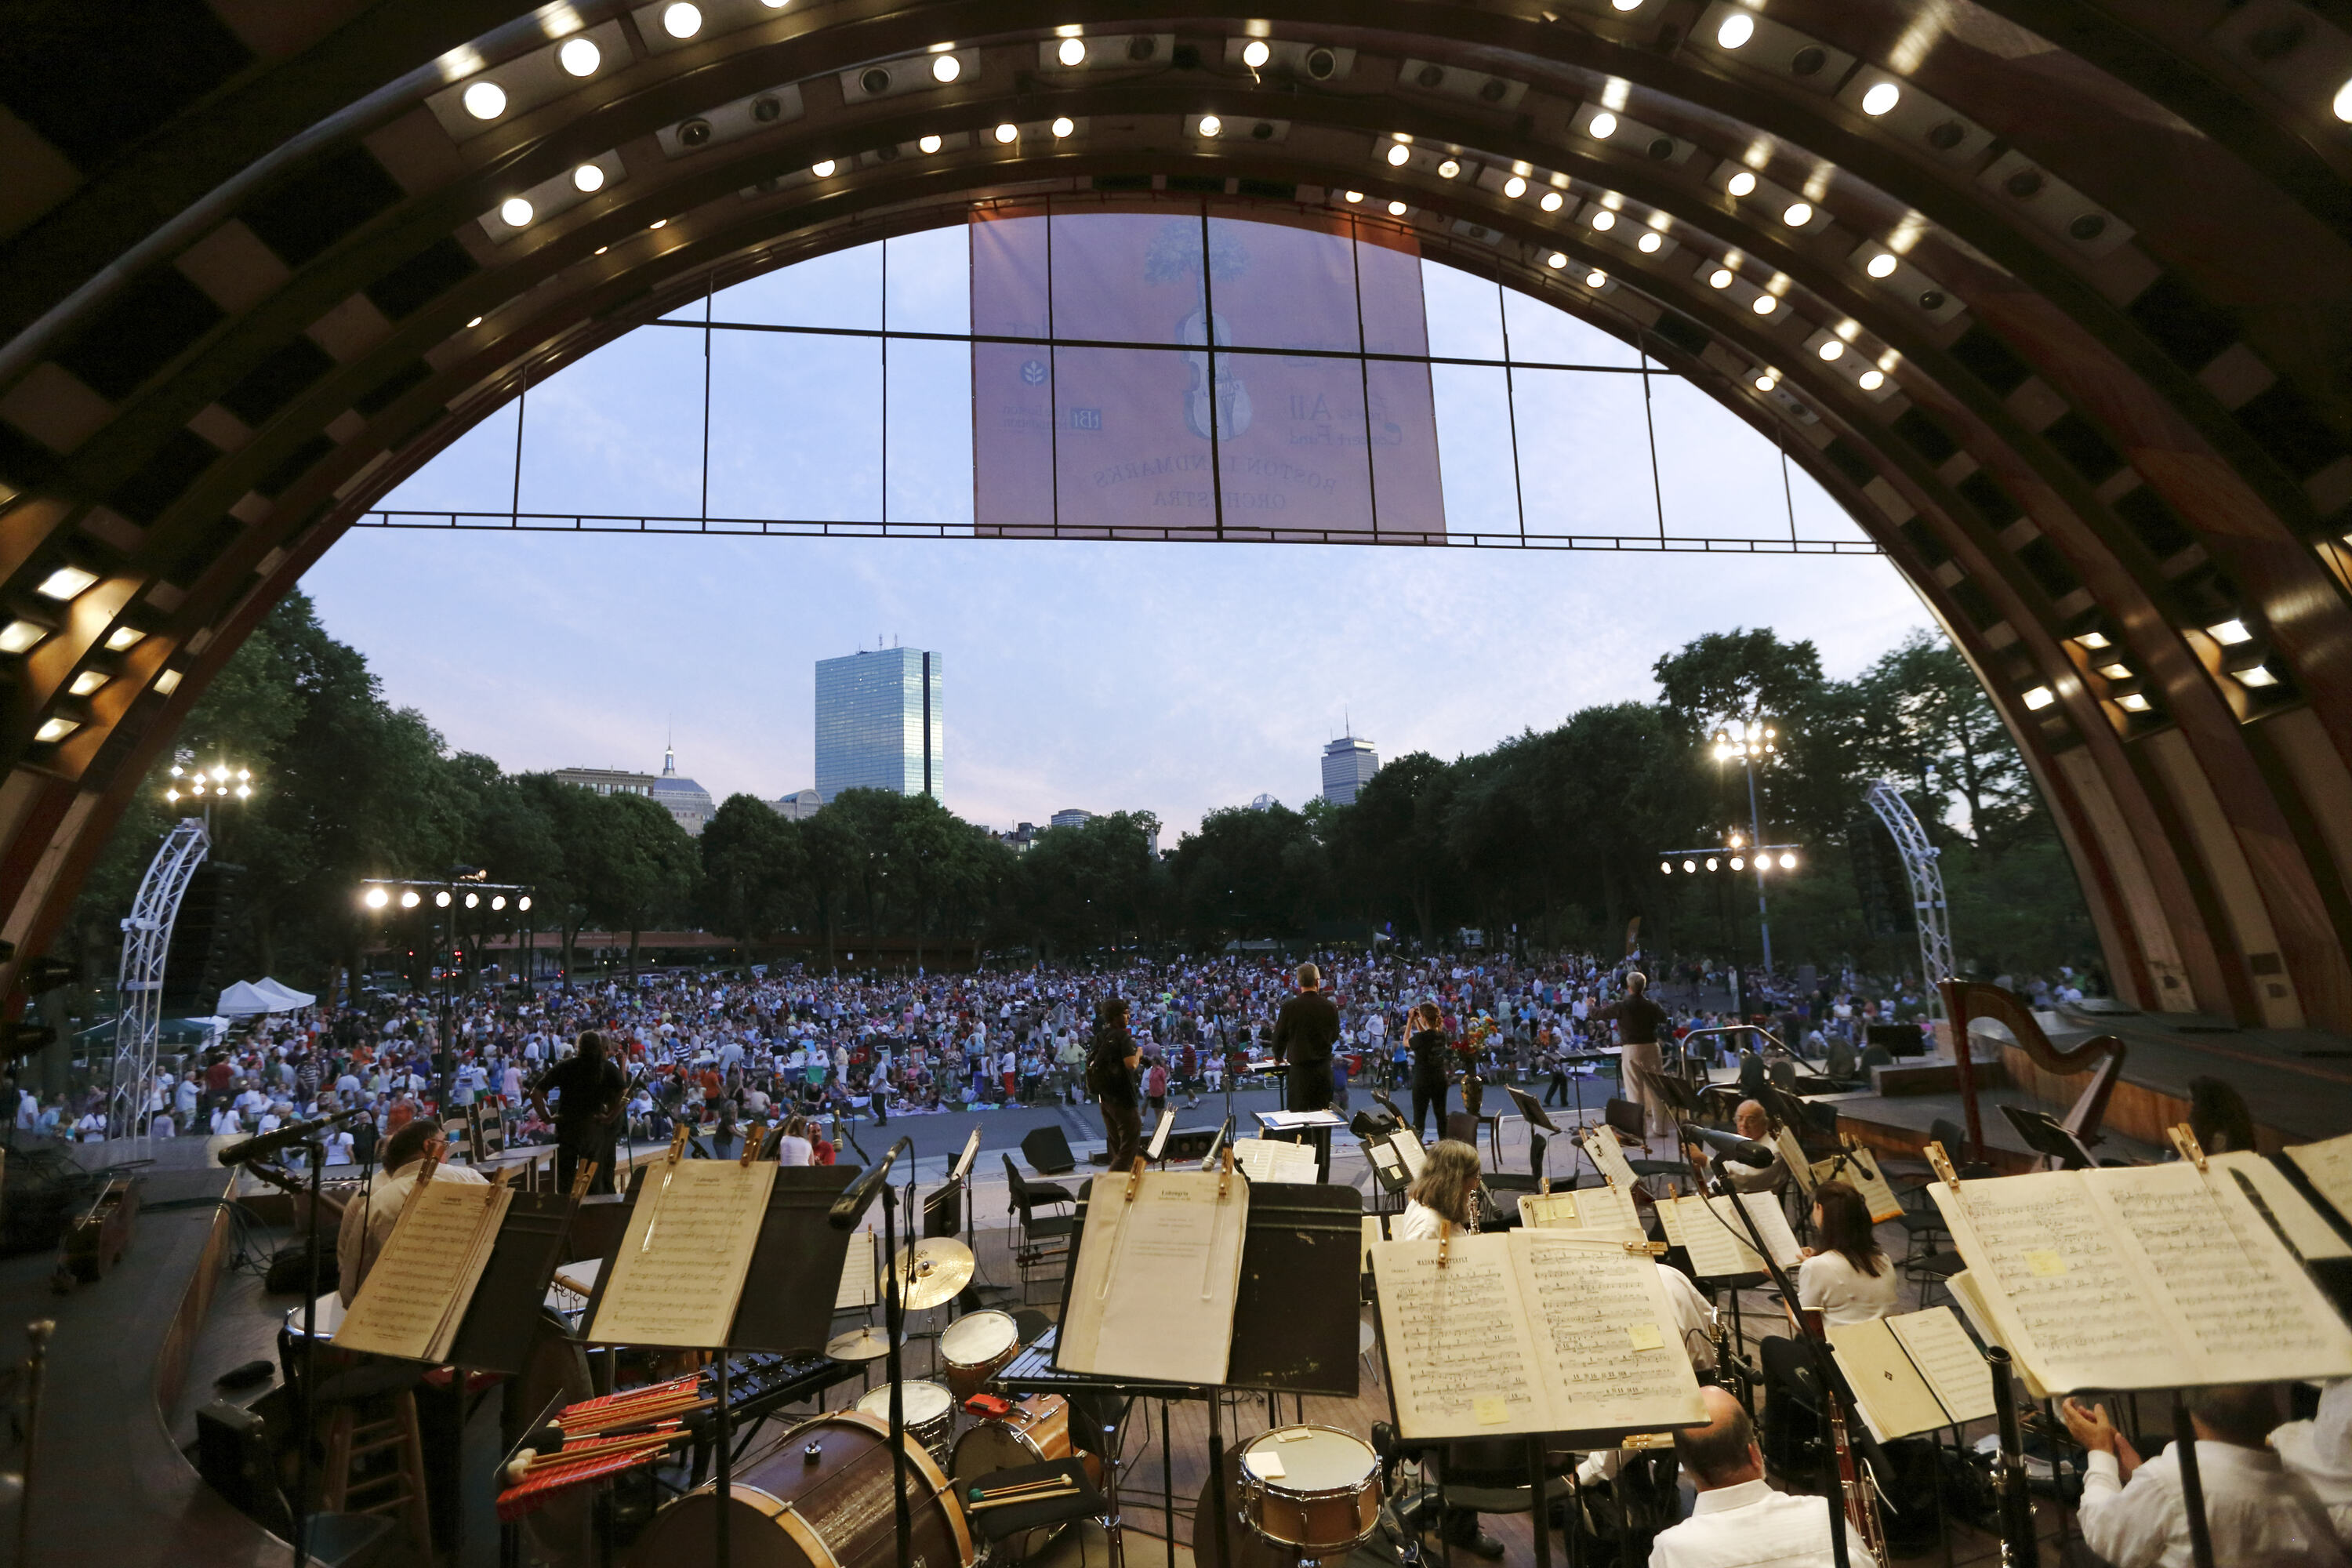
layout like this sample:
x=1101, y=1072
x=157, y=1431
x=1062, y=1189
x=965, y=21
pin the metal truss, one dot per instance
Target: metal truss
x=1927, y=879
x=146, y=944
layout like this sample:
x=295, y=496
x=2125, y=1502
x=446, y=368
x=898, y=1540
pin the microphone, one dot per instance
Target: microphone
x=1730, y=1145
x=285, y=1137
x=853, y=1198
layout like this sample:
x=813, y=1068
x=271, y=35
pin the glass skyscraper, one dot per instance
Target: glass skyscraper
x=878, y=723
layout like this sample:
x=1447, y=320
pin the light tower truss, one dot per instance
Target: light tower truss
x=1919, y=866
x=146, y=944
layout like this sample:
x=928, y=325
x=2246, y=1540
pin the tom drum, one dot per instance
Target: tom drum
x=973, y=1347
x=929, y=1414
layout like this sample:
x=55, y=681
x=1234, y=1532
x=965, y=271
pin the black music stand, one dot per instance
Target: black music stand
x=1531, y=1109
x=2048, y=1137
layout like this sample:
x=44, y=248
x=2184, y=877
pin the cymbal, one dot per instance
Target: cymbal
x=868, y=1344
x=930, y=1272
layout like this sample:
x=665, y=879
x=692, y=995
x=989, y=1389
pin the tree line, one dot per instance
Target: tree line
x=1550, y=838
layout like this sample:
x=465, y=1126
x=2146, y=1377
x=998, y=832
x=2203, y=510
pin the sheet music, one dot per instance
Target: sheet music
x=2308, y=1230
x=1461, y=1350
x=858, y=1273
x=1267, y=1160
x=1894, y=1399
x=964, y=1160
x=1153, y=1288
x=1779, y=1241
x=1375, y=1230
x=1792, y=1155
x=1609, y=1203
x=1860, y=1173
x=1292, y=1120
x=2327, y=1166
x=1159, y=1135
x=678, y=1277
x=1608, y=1156
x=1716, y=1240
x=414, y=1297
x=2250, y=1313
x=1605, y=1336
x=1407, y=1144
x=1955, y=1369
x=1549, y=1210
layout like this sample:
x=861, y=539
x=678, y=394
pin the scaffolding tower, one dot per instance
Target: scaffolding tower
x=146, y=944
x=1928, y=908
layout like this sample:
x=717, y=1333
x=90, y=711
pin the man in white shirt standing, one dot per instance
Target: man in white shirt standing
x=1738, y=1521
x=2134, y=1514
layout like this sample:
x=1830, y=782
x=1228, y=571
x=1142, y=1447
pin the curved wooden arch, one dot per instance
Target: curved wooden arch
x=233, y=326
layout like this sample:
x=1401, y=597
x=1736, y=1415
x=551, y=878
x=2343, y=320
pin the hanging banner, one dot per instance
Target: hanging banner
x=1166, y=439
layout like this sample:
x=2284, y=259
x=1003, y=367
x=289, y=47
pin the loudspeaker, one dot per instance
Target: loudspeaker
x=1048, y=1152
x=1190, y=1143
x=1900, y=1039
x=195, y=966
x=232, y=1455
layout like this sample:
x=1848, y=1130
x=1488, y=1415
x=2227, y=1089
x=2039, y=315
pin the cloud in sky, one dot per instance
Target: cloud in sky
x=1168, y=677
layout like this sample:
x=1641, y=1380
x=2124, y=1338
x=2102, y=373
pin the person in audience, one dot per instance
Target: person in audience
x=2257, y=1511
x=368, y=1219
x=1737, y=1520
x=1845, y=1276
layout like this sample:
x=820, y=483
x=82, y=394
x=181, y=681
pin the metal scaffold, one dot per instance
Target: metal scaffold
x=146, y=944
x=1927, y=879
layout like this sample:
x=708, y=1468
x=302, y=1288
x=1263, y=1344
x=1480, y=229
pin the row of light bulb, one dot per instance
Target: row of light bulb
x=378, y=897
x=1788, y=862
x=201, y=784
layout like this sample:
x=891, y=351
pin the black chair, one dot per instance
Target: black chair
x=1043, y=1237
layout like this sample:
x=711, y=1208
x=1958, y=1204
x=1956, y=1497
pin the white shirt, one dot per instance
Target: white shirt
x=1752, y=1526
x=368, y=1220
x=1418, y=1223
x=2256, y=1508
x=2320, y=1451
x=792, y=1151
x=1844, y=1294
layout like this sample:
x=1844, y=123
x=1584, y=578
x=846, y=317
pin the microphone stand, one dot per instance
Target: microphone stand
x=303, y=1517
x=894, y=1318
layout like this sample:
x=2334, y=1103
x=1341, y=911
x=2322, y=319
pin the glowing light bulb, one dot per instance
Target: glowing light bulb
x=1073, y=52
x=580, y=57
x=682, y=20
x=1736, y=29
x=1741, y=184
x=1515, y=188
x=1255, y=53
x=515, y=212
x=485, y=100
x=1604, y=126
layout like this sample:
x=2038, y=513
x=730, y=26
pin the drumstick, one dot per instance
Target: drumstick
x=978, y=1493
x=1062, y=1491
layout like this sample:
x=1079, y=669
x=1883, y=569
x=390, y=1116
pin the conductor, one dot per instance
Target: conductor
x=1305, y=1030
x=587, y=1115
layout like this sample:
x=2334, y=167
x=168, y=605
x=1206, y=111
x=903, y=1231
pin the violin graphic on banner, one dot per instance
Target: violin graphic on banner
x=1216, y=401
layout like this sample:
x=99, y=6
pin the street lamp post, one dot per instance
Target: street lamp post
x=378, y=894
x=1749, y=739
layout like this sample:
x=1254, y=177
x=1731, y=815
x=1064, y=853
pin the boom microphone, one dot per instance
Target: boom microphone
x=285, y=1137
x=1730, y=1145
x=851, y=1204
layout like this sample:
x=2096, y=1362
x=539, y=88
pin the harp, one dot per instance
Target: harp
x=2101, y=1057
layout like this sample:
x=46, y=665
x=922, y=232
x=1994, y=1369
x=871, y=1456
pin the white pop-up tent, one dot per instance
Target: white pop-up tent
x=247, y=997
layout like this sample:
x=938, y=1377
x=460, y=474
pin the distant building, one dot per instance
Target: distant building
x=607, y=781
x=1264, y=802
x=1349, y=765
x=1071, y=816
x=800, y=805
x=689, y=803
x=878, y=723
x=1019, y=838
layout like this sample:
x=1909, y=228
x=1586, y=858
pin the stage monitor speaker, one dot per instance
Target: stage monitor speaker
x=1900, y=1039
x=232, y=1455
x=1048, y=1152
x=1190, y=1143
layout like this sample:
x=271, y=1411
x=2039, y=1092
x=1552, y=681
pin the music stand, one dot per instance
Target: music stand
x=2048, y=1137
x=1531, y=1109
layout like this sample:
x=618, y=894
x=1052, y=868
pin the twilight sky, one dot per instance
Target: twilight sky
x=1168, y=677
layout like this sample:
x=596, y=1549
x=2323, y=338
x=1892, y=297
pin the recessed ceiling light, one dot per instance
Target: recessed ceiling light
x=1008, y=133
x=1880, y=99
x=2132, y=702
x=1736, y=29
x=929, y=143
x=1603, y=221
x=1064, y=126
x=1766, y=382
x=1515, y=188
x=1832, y=349
x=681, y=20
x=1211, y=125
x=2343, y=104
x=602, y=248
x=54, y=730
x=946, y=68
x=2093, y=640
x=658, y=222
x=1552, y=202
x=2116, y=671
x=1555, y=262
x=1653, y=242
x=485, y=100
x=1719, y=278
x=1595, y=279
x=1354, y=196
x=1448, y=169
x=1255, y=53
x=1396, y=209
x=514, y=212
x=123, y=637
x=1798, y=214
x=168, y=682
x=1740, y=184
x=2229, y=633
x=2041, y=697
x=472, y=324
x=588, y=178
x=2255, y=675
x=89, y=680
x=822, y=168
x=1397, y=154
x=1626, y=5
x=580, y=57
x=1073, y=52
x=18, y=636
x=1881, y=265
x=1765, y=304
x=1871, y=379
x=1604, y=126
x=66, y=583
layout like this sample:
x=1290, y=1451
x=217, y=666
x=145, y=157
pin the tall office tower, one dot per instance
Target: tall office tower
x=878, y=723
x=1347, y=764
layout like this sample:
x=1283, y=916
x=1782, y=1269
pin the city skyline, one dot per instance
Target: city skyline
x=879, y=722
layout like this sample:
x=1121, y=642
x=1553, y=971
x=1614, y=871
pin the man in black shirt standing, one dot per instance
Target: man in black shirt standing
x=587, y=1116
x=1305, y=1030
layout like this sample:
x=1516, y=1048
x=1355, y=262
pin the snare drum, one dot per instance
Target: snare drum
x=974, y=1346
x=1316, y=1490
x=1035, y=1431
x=929, y=1414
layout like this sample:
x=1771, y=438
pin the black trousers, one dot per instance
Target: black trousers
x=1425, y=1101
x=1309, y=1087
x=1122, y=1133
x=573, y=1145
x=1558, y=1086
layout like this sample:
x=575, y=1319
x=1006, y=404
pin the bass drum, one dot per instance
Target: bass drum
x=820, y=1499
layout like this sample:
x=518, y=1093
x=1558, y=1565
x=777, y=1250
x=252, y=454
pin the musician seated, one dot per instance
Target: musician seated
x=2133, y=1514
x=1447, y=1191
x=2320, y=1451
x=368, y=1219
x=1845, y=1276
x=1738, y=1520
x=1695, y=1324
x=1755, y=1125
